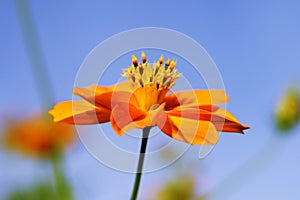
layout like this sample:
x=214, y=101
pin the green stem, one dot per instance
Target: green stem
x=34, y=52
x=63, y=191
x=139, y=172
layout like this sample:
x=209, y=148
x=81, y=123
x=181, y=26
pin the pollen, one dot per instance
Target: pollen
x=163, y=75
x=144, y=59
x=134, y=61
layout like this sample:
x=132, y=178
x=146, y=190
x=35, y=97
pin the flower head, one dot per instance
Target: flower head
x=37, y=136
x=287, y=113
x=143, y=100
x=180, y=187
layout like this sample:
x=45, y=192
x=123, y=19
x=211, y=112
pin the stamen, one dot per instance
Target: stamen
x=141, y=82
x=167, y=63
x=173, y=64
x=144, y=59
x=134, y=60
x=161, y=59
x=141, y=70
x=156, y=67
x=142, y=74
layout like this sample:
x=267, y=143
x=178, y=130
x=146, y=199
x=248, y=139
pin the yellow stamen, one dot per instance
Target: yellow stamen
x=161, y=59
x=173, y=64
x=134, y=60
x=141, y=74
x=168, y=62
x=144, y=59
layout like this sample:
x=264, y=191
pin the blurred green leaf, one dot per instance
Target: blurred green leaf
x=40, y=191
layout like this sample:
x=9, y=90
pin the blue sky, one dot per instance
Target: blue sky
x=255, y=46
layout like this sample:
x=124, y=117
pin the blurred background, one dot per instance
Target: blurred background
x=255, y=45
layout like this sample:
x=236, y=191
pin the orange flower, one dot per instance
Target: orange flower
x=142, y=101
x=37, y=136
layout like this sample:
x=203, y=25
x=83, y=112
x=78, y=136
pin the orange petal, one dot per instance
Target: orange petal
x=189, y=130
x=126, y=116
x=224, y=121
x=195, y=97
x=124, y=98
x=157, y=114
x=218, y=111
x=221, y=118
x=229, y=126
x=106, y=96
x=95, y=94
x=79, y=112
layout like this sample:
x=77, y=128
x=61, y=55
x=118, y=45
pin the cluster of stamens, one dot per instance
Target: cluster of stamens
x=163, y=75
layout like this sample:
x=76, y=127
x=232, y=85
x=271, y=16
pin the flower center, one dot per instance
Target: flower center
x=151, y=83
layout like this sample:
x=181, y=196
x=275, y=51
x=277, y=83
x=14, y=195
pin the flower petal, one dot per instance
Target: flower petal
x=95, y=94
x=222, y=119
x=126, y=116
x=107, y=96
x=195, y=97
x=79, y=112
x=189, y=130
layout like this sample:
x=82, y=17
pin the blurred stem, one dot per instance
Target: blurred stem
x=34, y=52
x=246, y=171
x=138, y=175
x=63, y=191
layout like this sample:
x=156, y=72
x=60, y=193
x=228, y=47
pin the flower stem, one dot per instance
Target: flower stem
x=138, y=175
x=63, y=190
x=34, y=52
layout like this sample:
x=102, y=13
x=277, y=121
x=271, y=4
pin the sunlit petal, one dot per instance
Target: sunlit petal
x=195, y=97
x=222, y=119
x=125, y=117
x=95, y=94
x=79, y=112
x=190, y=131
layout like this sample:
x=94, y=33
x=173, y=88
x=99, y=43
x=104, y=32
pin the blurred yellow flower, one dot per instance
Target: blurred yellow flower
x=37, y=136
x=180, y=187
x=287, y=113
x=142, y=101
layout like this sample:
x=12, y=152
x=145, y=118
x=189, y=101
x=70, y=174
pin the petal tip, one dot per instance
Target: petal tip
x=244, y=127
x=226, y=98
x=52, y=113
x=76, y=90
